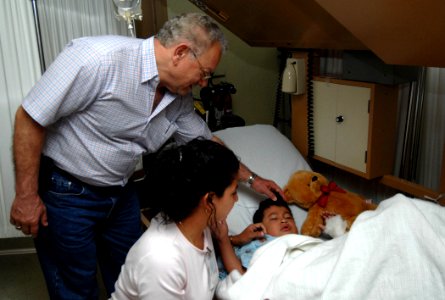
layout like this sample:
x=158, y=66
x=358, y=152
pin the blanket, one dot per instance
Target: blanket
x=394, y=252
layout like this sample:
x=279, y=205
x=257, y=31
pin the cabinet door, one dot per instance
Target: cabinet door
x=324, y=109
x=341, y=121
x=352, y=130
x=354, y=125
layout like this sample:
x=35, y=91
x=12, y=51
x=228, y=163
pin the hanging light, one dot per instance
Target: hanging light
x=128, y=10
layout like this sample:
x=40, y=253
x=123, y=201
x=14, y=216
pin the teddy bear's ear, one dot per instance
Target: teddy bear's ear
x=321, y=178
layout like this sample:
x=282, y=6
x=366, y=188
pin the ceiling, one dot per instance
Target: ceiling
x=400, y=32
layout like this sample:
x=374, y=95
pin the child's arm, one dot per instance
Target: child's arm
x=252, y=232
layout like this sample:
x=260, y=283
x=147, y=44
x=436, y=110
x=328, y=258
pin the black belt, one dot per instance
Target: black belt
x=47, y=167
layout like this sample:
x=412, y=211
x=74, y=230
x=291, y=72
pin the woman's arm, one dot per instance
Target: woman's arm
x=230, y=260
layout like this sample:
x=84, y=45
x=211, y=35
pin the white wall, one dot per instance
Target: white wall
x=252, y=70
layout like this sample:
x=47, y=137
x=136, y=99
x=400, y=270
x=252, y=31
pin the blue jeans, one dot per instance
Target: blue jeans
x=87, y=227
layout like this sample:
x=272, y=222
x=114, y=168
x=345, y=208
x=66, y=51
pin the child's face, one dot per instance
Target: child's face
x=279, y=221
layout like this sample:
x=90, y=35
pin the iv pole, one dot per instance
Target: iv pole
x=38, y=34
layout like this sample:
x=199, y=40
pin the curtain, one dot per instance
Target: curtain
x=61, y=21
x=432, y=138
x=422, y=130
x=19, y=70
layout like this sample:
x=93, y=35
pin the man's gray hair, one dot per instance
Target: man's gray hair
x=197, y=29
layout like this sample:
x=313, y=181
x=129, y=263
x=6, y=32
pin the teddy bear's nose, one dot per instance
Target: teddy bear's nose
x=314, y=178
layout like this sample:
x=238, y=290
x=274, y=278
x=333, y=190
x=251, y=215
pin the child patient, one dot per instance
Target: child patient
x=274, y=218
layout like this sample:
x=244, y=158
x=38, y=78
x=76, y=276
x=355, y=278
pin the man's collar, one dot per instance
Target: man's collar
x=148, y=63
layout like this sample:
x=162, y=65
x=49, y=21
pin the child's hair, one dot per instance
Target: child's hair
x=179, y=176
x=265, y=204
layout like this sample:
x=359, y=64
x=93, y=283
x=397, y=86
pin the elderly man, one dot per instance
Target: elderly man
x=103, y=103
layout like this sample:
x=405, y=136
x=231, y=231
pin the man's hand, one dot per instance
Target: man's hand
x=267, y=187
x=27, y=214
x=259, y=184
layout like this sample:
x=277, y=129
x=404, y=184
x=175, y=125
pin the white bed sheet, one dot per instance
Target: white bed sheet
x=394, y=252
x=271, y=155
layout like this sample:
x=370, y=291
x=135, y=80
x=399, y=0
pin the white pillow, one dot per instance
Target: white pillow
x=267, y=152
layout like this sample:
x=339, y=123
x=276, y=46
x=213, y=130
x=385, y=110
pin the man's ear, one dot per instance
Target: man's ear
x=181, y=51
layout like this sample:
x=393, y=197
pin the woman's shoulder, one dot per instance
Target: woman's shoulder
x=158, y=233
x=154, y=248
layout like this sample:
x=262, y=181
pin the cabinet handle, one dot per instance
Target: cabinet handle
x=339, y=119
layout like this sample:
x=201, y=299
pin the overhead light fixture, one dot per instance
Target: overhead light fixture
x=128, y=10
x=294, y=75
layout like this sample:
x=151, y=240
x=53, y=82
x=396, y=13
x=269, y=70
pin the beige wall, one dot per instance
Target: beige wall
x=253, y=71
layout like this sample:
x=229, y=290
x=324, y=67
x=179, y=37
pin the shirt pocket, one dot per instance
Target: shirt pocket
x=159, y=130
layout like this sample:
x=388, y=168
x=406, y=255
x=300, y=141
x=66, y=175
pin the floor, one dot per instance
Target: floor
x=20, y=274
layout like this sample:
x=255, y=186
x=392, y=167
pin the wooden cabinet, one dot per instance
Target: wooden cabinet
x=355, y=125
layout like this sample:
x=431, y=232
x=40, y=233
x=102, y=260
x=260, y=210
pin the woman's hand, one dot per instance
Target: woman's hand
x=220, y=230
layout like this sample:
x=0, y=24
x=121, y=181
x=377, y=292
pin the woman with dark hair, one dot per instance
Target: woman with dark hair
x=195, y=187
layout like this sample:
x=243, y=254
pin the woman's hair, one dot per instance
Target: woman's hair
x=178, y=177
x=197, y=29
x=265, y=204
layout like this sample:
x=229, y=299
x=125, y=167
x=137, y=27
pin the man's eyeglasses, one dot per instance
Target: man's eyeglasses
x=205, y=75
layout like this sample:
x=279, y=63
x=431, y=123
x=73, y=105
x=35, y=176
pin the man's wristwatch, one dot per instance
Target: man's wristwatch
x=251, y=178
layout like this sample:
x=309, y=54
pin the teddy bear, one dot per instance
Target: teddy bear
x=330, y=209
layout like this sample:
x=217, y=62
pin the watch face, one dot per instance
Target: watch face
x=251, y=178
